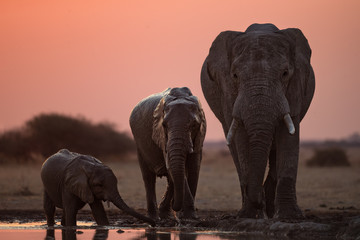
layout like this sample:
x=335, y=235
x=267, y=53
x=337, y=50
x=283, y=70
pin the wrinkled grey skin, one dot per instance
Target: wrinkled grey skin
x=72, y=180
x=253, y=79
x=169, y=130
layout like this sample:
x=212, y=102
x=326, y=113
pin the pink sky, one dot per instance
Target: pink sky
x=97, y=59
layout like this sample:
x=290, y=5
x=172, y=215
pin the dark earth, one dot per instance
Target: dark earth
x=335, y=224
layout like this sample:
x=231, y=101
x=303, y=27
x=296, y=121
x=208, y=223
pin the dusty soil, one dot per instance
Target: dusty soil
x=329, y=198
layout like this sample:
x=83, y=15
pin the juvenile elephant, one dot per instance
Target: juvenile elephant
x=72, y=180
x=169, y=130
x=259, y=84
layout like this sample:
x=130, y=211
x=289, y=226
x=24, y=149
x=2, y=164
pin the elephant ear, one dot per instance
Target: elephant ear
x=300, y=87
x=199, y=139
x=76, y=179
x=158, y=134
x=220, y=56
x=216, y=70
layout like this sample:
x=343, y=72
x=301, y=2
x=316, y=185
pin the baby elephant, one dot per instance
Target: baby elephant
x=71, y=180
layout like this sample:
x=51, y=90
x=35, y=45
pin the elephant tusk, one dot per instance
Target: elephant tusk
x=233, y=127
x=191, y=147
x=289, y=124
x=191, y=150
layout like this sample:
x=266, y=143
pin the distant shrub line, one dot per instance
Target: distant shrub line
x=45, y=134
x=328, y=157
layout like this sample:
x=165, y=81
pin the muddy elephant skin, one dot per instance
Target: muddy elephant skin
x=169, y=130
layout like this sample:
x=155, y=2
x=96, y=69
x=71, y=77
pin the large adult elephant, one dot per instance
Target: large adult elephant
x=72, y=180
x=259, y=84
x=169, y=130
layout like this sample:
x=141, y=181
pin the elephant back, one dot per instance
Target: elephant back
x=141, y=116
x=52, y=172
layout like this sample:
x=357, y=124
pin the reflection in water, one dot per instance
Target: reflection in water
x=103, y=234
x=87, y=231
x=70, y=234
x=153, y=234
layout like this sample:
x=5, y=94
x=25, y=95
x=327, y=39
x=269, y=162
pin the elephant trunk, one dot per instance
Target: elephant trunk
x=176, y=152
x=119, y=203
x=260, y=141
x=260, y=109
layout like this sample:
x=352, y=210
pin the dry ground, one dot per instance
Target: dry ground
x=320, y=189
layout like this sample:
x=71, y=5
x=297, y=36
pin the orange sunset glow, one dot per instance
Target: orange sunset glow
x=97, y=59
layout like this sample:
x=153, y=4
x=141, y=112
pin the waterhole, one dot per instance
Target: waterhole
x=87, y=230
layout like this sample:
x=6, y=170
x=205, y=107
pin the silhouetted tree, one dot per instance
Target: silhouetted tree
x=328, y=157
x=45, y=134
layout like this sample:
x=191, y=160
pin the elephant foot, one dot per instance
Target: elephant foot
x=167, y=220
x=153, y=215
x=289, y=212
x=250, y=212
x=187, y=214
x=270, y=210
x=269, y=190
x=167, y=214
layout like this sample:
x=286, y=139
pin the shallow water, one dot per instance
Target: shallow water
x=86, y=230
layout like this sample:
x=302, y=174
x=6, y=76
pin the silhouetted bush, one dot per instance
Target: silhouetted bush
x=329, y=157
x=45, y=134
x=14, y=145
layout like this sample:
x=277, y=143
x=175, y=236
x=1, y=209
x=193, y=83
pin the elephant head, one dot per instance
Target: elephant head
x=179, y=130
x=87, y=178
x=257, y=81
x=265, y=74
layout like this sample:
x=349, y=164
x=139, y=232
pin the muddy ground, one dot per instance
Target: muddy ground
x=337, y=224
x=329, y=198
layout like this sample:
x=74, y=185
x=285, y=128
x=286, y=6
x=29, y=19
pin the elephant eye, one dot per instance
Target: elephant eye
x=285, y=73
x=235, y=76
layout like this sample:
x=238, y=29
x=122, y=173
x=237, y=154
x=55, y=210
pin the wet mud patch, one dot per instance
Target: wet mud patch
x=315, y=225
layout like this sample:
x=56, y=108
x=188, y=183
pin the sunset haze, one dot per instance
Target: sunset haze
x=98, y=59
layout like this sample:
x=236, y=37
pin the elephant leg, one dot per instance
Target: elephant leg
x=188, y=209
x=165, y=205
x=70, y=216
x=63, y=218
x=193, y=170
x=239, y=151
x=70, y=209
x=151, y=195
x=99, y=213
x=253, y=193
x=286, y=168
x=149, y=179
x=49, y=208
x=270, y=185
x=240, y=172
x=191, y=182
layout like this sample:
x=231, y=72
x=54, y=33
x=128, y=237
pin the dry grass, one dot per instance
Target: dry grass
x=20, y=187
x=320, y=189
